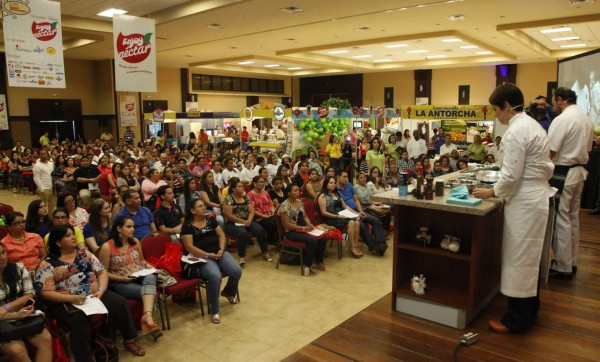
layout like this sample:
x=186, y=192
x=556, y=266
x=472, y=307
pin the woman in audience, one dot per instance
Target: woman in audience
x=212, y=198
x=375, y=157
x=126, y=178
x=419, y=170
x=334, y=150
x=297, y=225
x=329, y=172
x=69, y=276
x=393, y=177
x=476, y=150
x=13, y=170
x=462, y=165
x=364, y=192
x=330, y=204
x=313, y=186
x=277, y=194
x=60, y=217
x=202, y=237
x=189, y=192
x=59, y=173
x=446, y=168
x=77, y=215
x=116, y=201
x=25, y=165
x=302, y=177
x=391, y=148
x=405, y=139
x=239, y=216
x=264, y=173
x=427, y=168
x=97, y=229
x=149, y=187
x=122, y=255
x=115, y=173
x=37, y=218
x=172, y=179
x=314, y=162
x=376, y=183
x=104, y=165
x=15, y=290
x=247, y=173
x=264, y=212
x=21, y=246
x=143, y=171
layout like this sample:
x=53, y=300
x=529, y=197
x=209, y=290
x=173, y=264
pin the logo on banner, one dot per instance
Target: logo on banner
x=2, y=107
x=323, y=112
x=129, y=107
x=134, y=48
x=158, y=115
x=16, y=8
x=44, y=31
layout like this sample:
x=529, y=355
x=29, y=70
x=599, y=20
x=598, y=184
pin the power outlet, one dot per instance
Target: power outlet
x=469, y=338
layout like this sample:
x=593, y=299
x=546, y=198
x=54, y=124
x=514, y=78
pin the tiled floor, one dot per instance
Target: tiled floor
x=280, y=311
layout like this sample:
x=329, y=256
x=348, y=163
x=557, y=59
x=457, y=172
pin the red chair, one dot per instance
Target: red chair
x=5, y=209
x=3, y=232
x=154, y=245
x=288, y=246
x=104, y=187
x=313, y=208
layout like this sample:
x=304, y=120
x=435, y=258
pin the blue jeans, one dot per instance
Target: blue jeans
x=211, y=272
x=136, y=288
x=315, y=248
x=241, y=233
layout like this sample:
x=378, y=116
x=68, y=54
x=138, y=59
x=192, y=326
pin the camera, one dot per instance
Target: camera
x=535, y=109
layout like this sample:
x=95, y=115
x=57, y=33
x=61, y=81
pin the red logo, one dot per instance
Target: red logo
x=1, y=107
x=296, y=112
x=380, y=112
x=134, y=48
x=44, y=31
x=355, y=110
x=129, y=107
x=323, y=112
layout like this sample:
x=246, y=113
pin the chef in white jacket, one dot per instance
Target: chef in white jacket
x=523, y=184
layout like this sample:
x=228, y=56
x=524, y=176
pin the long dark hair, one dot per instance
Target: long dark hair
x=60, y=199
x=189, y=217
x=32, y=221
x=325, y=191
x=10, y=275
x=187, y=193
x=95, y=220
x=55, y=235
x=115, y=235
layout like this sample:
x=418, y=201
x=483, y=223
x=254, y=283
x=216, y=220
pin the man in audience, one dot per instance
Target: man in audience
x=42, y=176
x=168, y=217
x=416, y=147
x=162, y=163
x=446, y=148
x=229, y=171
x=86, y=177
x=142, y=216
x=377, y=242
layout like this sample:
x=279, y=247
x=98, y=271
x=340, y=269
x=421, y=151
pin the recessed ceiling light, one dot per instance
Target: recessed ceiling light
x=451, y=40
x=455, y=17
x=271, y=65
x=417, y=51
x=338, y=52
x=294, y=68
x=381, y=60
x=392, y=46
x=573, y=45
x=215, y=26
x=435, y=56
x=363, y=28
x=559, y=29
x=246, y=62
x=110, y=12
x=361, y=56
x=565, y=38
x=469, y=47
x=485, y=52
x=291, y=10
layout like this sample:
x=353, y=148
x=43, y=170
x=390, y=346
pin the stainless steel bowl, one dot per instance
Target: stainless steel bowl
x=487, y=176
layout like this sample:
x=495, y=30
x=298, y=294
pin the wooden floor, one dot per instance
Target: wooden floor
x=567, y=328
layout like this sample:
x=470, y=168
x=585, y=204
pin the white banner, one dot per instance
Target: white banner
x=3, y=114
x=135, y=54
x=127, y=111
x=33, y=43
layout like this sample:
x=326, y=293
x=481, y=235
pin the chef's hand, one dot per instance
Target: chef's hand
x=483, y=193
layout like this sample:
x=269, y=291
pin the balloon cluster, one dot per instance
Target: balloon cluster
x=314, y=129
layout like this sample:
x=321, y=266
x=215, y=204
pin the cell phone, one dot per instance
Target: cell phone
x=28, y=303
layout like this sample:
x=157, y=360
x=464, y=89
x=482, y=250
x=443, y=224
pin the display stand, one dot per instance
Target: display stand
x=459, y=284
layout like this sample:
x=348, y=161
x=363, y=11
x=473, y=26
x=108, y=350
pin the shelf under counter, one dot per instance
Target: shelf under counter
x=438, y=293
x=434, y=251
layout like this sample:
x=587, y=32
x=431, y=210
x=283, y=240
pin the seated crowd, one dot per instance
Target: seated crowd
x=202, y=196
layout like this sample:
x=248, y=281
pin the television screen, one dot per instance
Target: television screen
x=581, y=73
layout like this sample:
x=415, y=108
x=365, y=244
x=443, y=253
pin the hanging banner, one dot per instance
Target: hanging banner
x=127, y=111
x=135, y=54
x=3, y=114
x=473, y=113
x=33, y=43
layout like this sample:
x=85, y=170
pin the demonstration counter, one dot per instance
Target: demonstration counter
x=458, y=284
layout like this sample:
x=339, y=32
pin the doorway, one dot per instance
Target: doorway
x=59, y=129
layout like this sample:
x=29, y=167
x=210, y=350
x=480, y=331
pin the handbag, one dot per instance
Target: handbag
x=18, y=328
x=378, y=211
x=164, y=279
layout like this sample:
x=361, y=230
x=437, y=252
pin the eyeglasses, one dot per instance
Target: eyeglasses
x=60, y=217
x=17, y=223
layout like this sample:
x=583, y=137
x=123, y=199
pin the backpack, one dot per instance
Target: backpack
x=104, y=349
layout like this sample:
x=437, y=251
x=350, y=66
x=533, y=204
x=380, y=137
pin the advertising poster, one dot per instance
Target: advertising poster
x=135, y=54
x=3, y=114
x=127, y=111
x=33, y=43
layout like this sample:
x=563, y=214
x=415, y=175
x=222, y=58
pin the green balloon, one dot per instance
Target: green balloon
x=308, y=139
x=321, y=138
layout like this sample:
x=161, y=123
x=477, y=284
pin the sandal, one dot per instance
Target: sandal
x=266, y=257
x=215, y=318
x=356, y=253
x=242, y=262
x=134, y=348
x=232, y=300
x=150, y=328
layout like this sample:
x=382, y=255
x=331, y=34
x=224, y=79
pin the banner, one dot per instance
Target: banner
x=127, y=111
x=472, y=113
x=33, y=43
x=3, y=114
x=135, y=54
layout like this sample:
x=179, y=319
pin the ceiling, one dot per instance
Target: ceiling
x=340, y=36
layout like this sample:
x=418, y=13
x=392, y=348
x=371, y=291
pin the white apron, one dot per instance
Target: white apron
x=525, y=218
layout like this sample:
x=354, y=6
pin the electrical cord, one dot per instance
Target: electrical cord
x=455, y=356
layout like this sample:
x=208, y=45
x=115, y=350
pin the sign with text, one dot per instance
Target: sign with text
x=127, y=111
x=33, y=43
x=474, y=112
x=135, y=53
x=3, y=113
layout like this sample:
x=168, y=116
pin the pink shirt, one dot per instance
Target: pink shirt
x=262, y=203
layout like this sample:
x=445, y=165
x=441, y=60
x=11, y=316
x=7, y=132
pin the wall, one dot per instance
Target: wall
x=533, y=79
x=403, y=83
x=445, y=82
x=168, y=88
